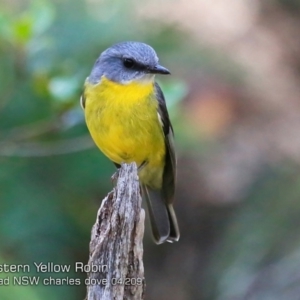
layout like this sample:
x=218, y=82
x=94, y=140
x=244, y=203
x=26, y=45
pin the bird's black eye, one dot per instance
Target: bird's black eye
x=128, y=63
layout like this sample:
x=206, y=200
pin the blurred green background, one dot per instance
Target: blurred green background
x=234, y=101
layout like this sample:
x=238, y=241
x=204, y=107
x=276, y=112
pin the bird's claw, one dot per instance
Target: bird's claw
x=114, y=177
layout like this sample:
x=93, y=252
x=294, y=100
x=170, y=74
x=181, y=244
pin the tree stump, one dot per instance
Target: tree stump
x=116, y=247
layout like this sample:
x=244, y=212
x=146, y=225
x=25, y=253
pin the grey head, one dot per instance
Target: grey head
x=125, y=62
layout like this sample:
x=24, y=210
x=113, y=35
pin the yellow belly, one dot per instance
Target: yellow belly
x=123, y=122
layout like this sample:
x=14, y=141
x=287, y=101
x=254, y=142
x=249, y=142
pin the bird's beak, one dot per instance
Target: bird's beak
x=159, y=70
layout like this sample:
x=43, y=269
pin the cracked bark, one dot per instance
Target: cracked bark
x=116, y=246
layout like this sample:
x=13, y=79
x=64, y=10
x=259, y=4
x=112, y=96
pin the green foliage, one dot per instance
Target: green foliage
x=51, y=175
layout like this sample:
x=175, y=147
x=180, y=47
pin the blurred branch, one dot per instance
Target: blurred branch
x=29, y=131
x=5, y=96
x=34, y=149
x=116, y=247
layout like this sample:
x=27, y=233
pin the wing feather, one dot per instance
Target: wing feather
x=82, y=101
x=169, y=174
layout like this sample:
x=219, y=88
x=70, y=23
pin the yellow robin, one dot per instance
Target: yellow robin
x=126, y=114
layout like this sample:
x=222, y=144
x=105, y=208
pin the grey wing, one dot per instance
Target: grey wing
x=169, y=175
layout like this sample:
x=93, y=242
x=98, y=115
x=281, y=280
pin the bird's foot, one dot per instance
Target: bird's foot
x=142, y=165
x=114, y=177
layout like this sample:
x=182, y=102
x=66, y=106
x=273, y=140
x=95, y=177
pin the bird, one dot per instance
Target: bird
x=127, y=117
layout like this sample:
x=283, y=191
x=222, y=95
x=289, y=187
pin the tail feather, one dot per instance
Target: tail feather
x=162, y=217
x=174, y=229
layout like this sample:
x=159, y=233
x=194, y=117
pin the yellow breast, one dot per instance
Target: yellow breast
x=124, y=124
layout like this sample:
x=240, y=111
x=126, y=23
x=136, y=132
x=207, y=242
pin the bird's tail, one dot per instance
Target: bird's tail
x=162, y=217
